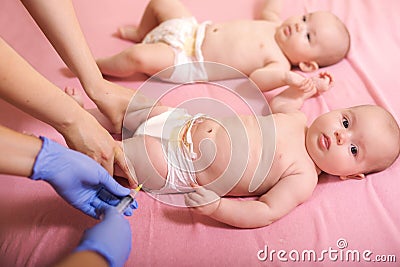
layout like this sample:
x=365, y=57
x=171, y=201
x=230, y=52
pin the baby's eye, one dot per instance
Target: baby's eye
x=345, y=122
x=304, y=18
x=308, y=37
x=354, y=150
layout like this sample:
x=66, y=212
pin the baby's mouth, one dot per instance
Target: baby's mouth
x=287, y=30
x=324, y=141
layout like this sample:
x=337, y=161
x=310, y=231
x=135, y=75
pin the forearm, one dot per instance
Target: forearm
x=28, y=90
x=291, y=99
x=269, y=78
x=271, y=10
x=83, y=258
x=243, y=214
x=58, y=21
x=18, y=152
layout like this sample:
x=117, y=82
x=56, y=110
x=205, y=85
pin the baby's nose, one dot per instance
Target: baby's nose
x=299, y=27
x=341, y=137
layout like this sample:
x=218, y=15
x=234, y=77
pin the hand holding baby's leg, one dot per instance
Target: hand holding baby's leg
x=74, y=94
x=100, y=117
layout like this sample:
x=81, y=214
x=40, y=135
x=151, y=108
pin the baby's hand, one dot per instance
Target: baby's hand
x=202, y=201
x=307, y=85
x=323, y=82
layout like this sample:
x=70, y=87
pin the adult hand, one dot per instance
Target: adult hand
x=80, y=180
x=115, y=101
x=112, y=238
x=60, y=25
x=111, y=99
x=86, y=135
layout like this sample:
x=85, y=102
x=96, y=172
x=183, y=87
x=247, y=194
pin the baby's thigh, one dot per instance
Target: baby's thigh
x=149, y=58
x=145, y=155
x=169, y=9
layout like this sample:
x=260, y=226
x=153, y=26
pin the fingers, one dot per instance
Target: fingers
x=327, y=75
x=307, y=85
x=133, y=206
x=119, y=159
x=116, y=156
x=109, y=211
x=113, y=187
x=98, y=207
x=108, y=164
x=104, y=155
x=189, y=201
x=105, y=199
x=200, y=197
x=110, y=198
x=193, y=199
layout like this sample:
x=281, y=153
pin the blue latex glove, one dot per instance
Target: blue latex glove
x=112, y=238
x=78, y=179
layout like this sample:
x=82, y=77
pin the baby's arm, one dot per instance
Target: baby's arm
x=292, y=99
x=271, y=10
x=287, y=194
x=273, y=76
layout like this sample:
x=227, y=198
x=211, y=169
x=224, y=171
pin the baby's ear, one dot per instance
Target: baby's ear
x=359, y=176
x=308, y=66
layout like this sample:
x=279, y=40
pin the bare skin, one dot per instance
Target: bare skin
x=147, y=158
x=290, y=181
x=267, y=45
x=340, y=142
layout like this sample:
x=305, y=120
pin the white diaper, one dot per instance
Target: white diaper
x=177, y=146
x=186, y=36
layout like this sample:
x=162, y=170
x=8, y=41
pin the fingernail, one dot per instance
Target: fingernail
x=134, y=205
x=128, y=213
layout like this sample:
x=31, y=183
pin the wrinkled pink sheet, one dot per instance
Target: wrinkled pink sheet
x=37, y=227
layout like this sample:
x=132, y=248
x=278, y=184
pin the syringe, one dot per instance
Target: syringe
x=126, y=201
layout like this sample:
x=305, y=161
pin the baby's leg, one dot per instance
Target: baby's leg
x=74, y=94
x=156, y=12
x=145, y=155
x=100, y=117
x=143, y=58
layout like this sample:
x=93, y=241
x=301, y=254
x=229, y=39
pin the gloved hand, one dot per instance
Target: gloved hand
x=112, y=238
x=80, y=180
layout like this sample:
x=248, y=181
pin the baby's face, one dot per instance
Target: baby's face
x=350, y=141
x=307, y=38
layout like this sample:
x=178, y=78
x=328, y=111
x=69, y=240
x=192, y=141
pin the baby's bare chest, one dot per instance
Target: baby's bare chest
x=290, y=147
x=230, y=43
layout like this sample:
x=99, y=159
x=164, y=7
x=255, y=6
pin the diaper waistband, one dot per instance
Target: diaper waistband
x=186, y=134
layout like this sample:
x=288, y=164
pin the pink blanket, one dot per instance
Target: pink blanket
x=342, y=220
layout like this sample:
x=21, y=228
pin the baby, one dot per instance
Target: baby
x=274, y=159
x=265, y=50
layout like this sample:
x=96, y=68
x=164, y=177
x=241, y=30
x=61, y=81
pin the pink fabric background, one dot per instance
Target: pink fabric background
x=37, y=227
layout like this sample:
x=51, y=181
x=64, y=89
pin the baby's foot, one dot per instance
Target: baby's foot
x=74, y=94
x=129, y=33
x=323, y=82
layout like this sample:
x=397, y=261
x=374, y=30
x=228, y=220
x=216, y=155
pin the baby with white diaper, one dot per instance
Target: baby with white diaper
x=264, y=50
x=274, y=159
